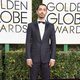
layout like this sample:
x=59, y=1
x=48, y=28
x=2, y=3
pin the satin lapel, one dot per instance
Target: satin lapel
x=37, y=29
x=46, y=27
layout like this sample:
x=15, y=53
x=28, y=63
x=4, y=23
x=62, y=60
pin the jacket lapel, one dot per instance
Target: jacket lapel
x=37, y=29
x=46, y=27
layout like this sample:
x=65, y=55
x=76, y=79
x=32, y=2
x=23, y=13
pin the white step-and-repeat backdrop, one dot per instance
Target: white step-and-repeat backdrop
x=14, y=18
x=65, y=14
x=16, y=14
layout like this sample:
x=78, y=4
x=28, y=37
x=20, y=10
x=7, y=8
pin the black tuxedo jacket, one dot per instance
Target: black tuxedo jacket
x=40, y=50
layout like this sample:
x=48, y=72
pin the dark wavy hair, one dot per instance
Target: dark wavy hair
x=40, y=5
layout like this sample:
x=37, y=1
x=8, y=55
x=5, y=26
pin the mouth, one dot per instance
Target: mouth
x=42, y=14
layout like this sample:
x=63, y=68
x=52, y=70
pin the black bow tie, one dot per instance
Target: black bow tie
x=41, y=22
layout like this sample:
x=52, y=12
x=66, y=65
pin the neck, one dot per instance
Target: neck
x=42, y=19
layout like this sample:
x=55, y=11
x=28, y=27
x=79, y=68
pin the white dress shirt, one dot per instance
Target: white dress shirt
x=41, y=29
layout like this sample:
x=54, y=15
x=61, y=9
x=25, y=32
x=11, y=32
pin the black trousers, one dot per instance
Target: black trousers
x=44, y=70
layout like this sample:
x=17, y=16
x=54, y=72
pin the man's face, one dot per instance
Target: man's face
x=41, y=12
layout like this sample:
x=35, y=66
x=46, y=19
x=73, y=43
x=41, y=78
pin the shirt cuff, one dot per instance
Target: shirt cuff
x=52, y=59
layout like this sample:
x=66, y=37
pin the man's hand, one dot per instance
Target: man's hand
x=29, y=62
x=52, y=62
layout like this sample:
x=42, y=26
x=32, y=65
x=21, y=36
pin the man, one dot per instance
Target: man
x=40, y=55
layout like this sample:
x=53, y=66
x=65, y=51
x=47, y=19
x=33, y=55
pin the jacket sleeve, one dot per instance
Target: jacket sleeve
x=53, y=42
x=28, y=42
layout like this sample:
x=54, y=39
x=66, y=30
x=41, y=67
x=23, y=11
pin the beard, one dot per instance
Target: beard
x=41, y=16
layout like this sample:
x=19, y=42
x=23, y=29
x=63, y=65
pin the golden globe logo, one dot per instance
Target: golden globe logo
x=14, y=18
x=14, y=14
x=65, y=15
x=64, y=7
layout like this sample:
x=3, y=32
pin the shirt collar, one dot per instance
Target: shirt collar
x=41, y=20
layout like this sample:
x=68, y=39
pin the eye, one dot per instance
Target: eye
x=40, y=9
x=44, y=9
